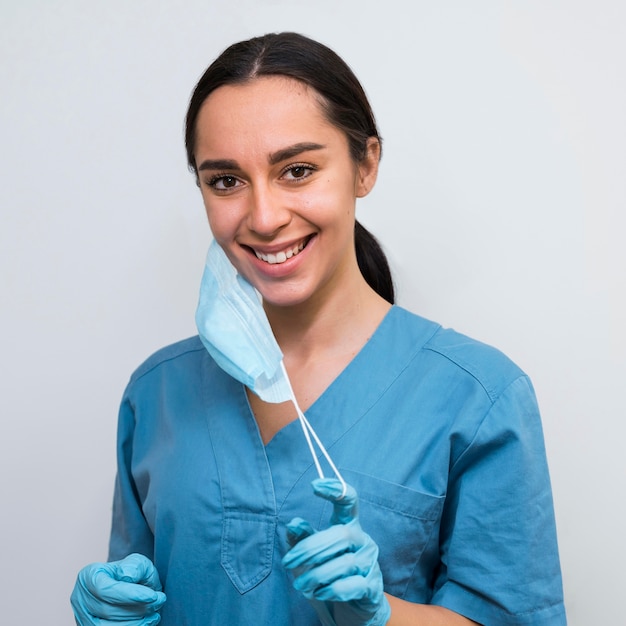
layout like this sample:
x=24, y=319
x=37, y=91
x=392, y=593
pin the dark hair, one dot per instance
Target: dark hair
x=341, y=96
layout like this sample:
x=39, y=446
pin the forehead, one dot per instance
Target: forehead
x=265, y=114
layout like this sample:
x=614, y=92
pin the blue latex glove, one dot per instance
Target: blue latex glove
x=337, y=568
x=125, y=593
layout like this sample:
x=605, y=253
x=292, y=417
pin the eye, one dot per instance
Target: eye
x=223, y=182
x=297, y=172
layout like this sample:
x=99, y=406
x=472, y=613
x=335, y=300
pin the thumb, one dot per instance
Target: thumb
x=297, y=530
x=136, y=568
x=345, y=509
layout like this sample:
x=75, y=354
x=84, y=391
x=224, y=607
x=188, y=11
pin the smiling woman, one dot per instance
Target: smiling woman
x=277, y=177
x=446, y=517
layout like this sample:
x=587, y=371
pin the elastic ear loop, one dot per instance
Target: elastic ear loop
x=308, y=431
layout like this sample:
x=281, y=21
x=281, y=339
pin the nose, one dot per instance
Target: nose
x=268, y=212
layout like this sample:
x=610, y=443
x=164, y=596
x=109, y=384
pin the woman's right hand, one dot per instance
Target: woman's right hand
x=126, y=592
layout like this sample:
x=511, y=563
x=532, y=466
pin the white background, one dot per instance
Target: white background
x=500, y=201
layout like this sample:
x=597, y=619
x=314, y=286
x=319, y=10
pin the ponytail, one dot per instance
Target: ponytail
x=373, y=263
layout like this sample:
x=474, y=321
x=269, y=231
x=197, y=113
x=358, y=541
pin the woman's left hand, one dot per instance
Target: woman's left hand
x=337, y=568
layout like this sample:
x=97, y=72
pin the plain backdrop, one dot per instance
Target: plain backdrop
x=500, y=203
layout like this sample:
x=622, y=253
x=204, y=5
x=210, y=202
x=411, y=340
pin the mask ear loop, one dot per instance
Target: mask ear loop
x=308, y=431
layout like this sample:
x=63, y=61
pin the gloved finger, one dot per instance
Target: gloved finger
x=346, y=566
x=151, y=620
x=349, y=589
x=117, y=612
x=98, y=594
x=130, y=596
x=363, y=563
x=136, y=568
x=298, y=529
x=85, y=617
x=344, y=508
x=324, y=545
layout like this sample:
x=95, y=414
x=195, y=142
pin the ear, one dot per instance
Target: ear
x=367, y=169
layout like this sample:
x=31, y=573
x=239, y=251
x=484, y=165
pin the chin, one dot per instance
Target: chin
x=283, y=303
x=283, y=298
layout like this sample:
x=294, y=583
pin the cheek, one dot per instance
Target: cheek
x=328, y=202
x=223, y=219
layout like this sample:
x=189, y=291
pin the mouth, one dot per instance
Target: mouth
x=276, y=258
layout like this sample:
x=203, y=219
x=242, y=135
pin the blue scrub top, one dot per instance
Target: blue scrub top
x=439, y=434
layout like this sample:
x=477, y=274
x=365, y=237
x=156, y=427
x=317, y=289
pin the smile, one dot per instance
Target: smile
x=282, y=256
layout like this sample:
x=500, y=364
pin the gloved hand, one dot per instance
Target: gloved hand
x=337, y=568
x=126, y=592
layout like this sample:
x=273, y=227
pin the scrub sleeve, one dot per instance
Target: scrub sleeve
x=499, y=554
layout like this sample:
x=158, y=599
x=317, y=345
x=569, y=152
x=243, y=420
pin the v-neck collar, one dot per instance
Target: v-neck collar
x=351, y=394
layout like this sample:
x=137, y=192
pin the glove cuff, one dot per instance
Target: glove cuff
x=382, y=615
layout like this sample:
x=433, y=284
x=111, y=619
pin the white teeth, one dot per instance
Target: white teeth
x=280, y=257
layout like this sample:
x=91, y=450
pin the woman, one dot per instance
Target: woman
x=437, y=435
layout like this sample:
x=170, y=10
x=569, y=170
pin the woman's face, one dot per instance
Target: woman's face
x=279, y=187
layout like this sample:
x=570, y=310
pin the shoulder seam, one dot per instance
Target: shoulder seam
x=492, y=393
x=145, y=369
x=493, y=402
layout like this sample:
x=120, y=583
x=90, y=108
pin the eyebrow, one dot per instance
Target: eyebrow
x=292, y=151
x=218, y=164
x=274, y=157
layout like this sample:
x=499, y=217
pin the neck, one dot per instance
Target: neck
x=321, y=336
x=326, y=325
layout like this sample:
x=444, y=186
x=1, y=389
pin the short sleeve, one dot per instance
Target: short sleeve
x=129, y=529
x=499, y=555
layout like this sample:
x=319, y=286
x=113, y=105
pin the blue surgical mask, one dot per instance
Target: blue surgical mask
x=234, y=328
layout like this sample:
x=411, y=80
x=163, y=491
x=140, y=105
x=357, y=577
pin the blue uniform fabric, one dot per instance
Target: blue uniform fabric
x=439, y=434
